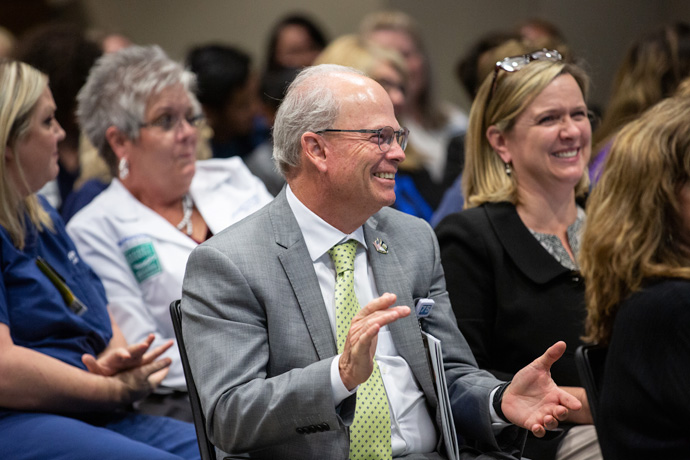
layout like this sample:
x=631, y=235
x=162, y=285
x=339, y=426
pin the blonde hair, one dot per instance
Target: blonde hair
x=633, y=219
x=352, y=51
x=683, y=89
x=22, y=86
x=484, y=178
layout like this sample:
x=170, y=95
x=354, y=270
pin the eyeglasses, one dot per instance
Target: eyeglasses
x=168, y=122
x=385, y=135
x=515, y=63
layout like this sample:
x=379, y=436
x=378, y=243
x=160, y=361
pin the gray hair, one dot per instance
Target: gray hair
x=118, y=89
x=310, y=104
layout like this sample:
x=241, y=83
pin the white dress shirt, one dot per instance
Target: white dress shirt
x=412, y=427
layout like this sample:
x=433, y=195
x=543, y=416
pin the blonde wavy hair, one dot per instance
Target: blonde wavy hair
x=22, y=86
x=633, y=229
x=484, y=178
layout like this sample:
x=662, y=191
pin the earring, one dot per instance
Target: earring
x=509, y=170
x=123, y=169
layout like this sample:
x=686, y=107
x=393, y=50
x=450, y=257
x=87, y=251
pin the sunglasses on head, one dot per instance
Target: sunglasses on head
x=515, y=63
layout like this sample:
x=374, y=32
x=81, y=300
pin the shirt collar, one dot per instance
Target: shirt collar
x=319, y=235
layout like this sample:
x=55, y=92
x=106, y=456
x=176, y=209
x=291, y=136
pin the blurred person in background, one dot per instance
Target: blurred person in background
x=294, y=42
x=538, y=30
x=227, y=89
x=651, y=70
x=7, y=42
x=432, y=123
x=272, y=89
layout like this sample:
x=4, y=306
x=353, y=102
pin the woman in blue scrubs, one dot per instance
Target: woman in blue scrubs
x=67, y=376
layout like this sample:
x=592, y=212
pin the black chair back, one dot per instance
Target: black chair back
x=206, y=449
x=590, y=361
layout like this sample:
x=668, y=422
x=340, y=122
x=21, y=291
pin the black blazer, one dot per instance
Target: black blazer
x=511, y=298
x=644, y=406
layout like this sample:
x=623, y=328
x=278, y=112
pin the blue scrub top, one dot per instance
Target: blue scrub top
x=33, y=308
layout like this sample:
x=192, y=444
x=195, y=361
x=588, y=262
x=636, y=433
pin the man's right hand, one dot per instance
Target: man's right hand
x=357, y=360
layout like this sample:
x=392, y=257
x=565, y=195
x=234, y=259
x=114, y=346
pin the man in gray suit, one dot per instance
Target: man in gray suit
x=259, y=314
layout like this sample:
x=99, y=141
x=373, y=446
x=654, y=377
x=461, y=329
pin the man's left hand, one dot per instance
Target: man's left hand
x=533, y=400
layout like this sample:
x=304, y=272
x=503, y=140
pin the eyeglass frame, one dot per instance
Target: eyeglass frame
x=511, y=64
x=402, y=132
x=193, y=120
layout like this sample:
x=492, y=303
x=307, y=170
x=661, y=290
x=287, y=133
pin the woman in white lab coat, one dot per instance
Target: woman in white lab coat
x=137, y=107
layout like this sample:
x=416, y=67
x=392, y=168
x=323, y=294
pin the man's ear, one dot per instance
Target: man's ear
x=118, y=141
x=315, y=150
x=497, y=140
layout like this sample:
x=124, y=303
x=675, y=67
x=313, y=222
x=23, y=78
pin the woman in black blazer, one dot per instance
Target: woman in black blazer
x=510, y=257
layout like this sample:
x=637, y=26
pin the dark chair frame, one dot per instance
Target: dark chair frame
x=590, y=361
x=206, y=448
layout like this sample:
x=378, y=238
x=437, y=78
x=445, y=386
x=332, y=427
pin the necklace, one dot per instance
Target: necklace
x=186, y=222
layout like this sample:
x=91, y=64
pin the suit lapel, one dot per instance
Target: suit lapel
x=389, y=274
x=524, y=249
x=298, y=267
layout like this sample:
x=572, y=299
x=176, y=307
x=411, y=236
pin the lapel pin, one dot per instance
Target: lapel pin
x=380, y=246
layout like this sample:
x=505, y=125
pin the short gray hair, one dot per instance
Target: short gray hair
x=118, y=89
x=309, y=105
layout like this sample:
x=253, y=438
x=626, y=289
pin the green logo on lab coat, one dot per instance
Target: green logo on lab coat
x=142, y=259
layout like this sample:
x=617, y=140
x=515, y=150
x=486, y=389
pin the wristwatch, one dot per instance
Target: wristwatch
x=498, y=400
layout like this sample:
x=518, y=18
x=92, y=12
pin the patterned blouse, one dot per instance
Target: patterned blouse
x=554, y=246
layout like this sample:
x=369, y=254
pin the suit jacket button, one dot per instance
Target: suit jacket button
x=300, y=430
x=324, y=426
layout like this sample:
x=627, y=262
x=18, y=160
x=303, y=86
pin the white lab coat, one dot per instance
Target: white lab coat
x=141, y=257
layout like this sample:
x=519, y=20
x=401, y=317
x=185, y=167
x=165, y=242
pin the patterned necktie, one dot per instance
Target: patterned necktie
x=370, y=433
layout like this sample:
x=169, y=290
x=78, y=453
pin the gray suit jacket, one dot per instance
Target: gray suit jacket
x=260, y=343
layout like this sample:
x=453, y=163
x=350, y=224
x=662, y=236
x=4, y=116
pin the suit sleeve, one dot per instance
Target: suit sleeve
x=469, y=387
x=226, y=332
x=469, y=266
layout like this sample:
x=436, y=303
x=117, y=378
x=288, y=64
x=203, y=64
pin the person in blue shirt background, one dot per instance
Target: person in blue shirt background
x=67, y=376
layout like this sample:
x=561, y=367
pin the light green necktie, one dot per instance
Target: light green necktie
x=370, y=432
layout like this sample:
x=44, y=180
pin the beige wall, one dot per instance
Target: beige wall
x=598, y=30
x=178, y=24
